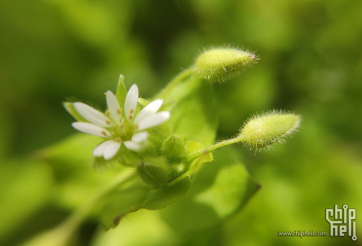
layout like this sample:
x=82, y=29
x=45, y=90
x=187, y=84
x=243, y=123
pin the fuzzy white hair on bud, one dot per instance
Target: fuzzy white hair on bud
x=263, y=131
x=222, y=64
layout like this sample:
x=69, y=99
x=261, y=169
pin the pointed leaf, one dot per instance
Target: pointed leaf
x=219, y=191
x=120, y=203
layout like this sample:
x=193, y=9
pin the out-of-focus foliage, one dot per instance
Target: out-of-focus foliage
x=310, y=64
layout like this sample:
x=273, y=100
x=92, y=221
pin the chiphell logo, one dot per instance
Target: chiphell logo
x=342, y=221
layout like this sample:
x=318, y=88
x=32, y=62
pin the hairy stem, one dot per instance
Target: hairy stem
x=215, y=146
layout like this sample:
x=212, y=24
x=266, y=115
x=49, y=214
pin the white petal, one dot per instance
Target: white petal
x=111, y=150
x=151, y=108
x=153, y=120
x=130, y=103
x=99, y=150
x=91, y=129
x=132, y=145
x=113, y=106
x=139, y=137
x=91, y=114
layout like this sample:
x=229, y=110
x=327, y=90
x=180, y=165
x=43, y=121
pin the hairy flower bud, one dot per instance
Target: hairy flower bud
x=153, y=171
x=270, y=128
x=221, y=64
x=174, y=147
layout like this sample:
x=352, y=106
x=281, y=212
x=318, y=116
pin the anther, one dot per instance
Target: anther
x=108, y=122
x=104, y=133
x=119, y=111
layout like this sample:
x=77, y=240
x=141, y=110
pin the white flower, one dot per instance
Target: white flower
x=119, y=128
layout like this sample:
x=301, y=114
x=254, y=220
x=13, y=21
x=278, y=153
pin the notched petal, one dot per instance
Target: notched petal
x=153, y=120
x=131, y=145
x=99, y=150
x=150, y=109
x=113, y=106
x=140, y=137
x=111, y=150
x=91, y=114
x=91, y=129
x=130, y=103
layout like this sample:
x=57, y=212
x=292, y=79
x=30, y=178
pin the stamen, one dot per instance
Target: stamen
x=136, y=127
x=108, y=122
x=131, y=111
x=117, y=140
x=108, y=112
x=119, y=111
x=130, y=117
x=104, y=133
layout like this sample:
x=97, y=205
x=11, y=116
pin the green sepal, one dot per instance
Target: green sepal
x=99, y=163
x=71, y=110
x=143, y=102
x=121, y=92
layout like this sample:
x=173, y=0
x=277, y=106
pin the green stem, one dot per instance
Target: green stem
x=215, y=146
x=61, y=235
x=175, y=81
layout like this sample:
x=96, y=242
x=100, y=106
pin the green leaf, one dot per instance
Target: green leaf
x=161, y=198
x=220, y=190
x=121, y=91
x=122, y=202
x=193, y=110
x=204, y=157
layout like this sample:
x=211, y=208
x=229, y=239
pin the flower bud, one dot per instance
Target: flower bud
x=221, y=64
x=174, y=147
x=263, y=131
x=153, y=171
x=176, y=170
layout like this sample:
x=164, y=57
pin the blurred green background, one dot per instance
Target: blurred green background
x=53, y=50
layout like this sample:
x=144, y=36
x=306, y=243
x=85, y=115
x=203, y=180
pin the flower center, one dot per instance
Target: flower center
x=123, y=131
